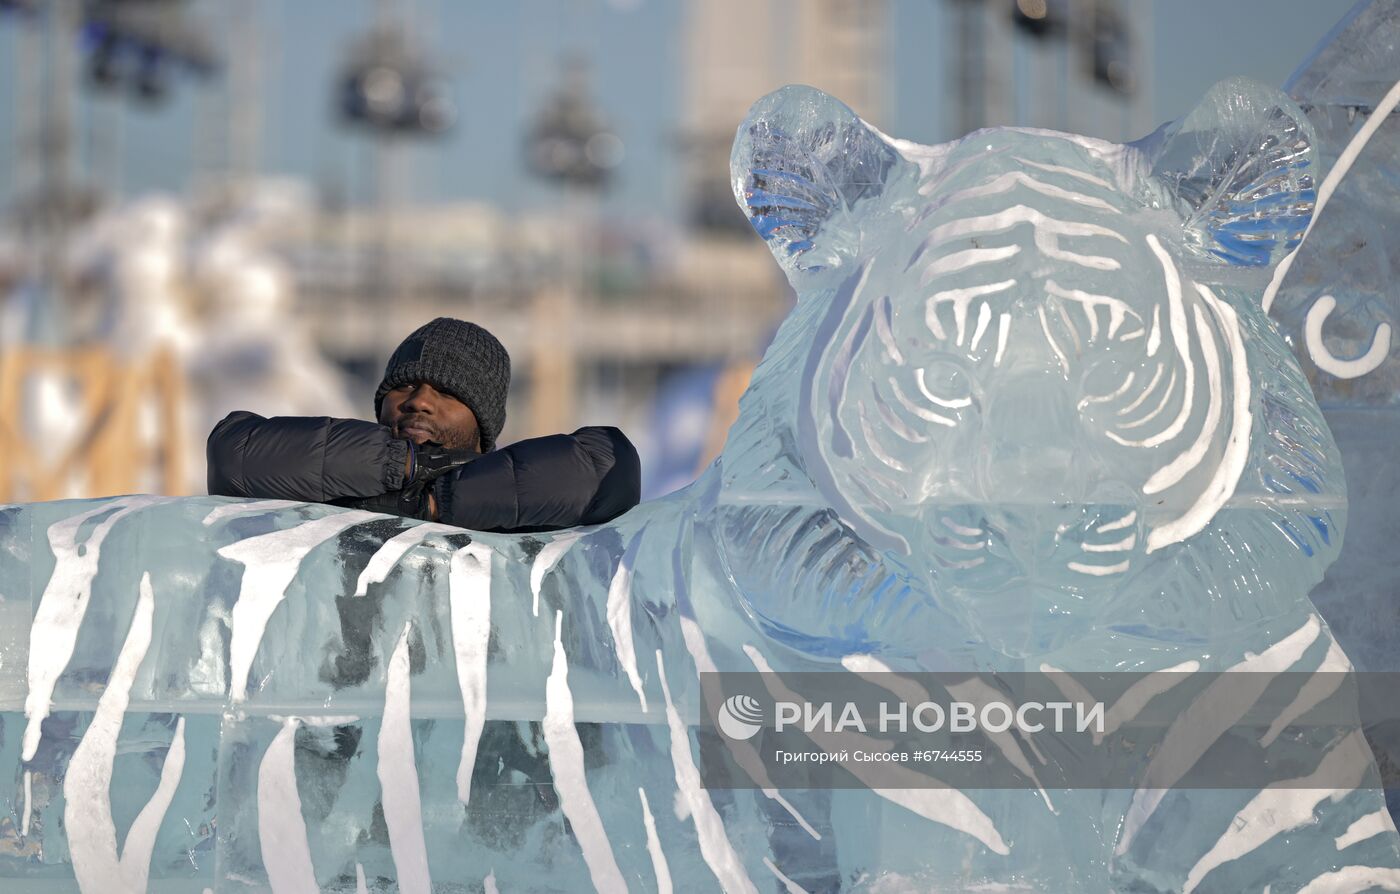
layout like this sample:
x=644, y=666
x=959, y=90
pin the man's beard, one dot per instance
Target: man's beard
x=426, y=430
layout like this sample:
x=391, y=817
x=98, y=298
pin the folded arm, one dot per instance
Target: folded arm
x=584, y=478
x=314, y=458
x=558, y=481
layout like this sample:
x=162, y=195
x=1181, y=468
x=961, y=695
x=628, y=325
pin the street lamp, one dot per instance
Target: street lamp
x=569, y=142
x=389, y=88
x=140, y=45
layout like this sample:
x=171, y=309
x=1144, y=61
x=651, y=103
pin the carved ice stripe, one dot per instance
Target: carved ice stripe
x=1070, y=327
x=394, y=549
x=1154, y=338
x=964, y=530
x=946, y=806
x=1149, y=415
x=566, y=765
x=1003, y=329
x=1147, y=392
x=1010, y=180
x=398, y=777
x=271, y=563
x=1120, y=524
x=1368, y=826
x=1326, y=361
x=984, y=316
x=1236, y=454
x=87, y=813
x=873, y=442
x=286, y=853
x=548, y=557
x=1329, y=185
x=930, y=184
x=1047, y=243
x=980, y=693
x=1205, y=720
x=28, y=803
x=1061, y=169
x=1284, y=807
x=1118, y=310
x=1354, y=879
x=715, y=847
x=63, y=605
x=1004, y=220
x=978, y=546
x=619, y=617
x=658, y=857
x=884, y=329
x=745, y=754
x=950, y=403
x=1099, y=571
x=1327, y=679
x=960, y=299
x=975, y=691
x=1131, y=702
x=233, y=510
x=788, y=884
x=619, y=612
x=892, y=421
x=1181, y=340
x=1054, y=345
x=966, y=259
x=469, y=599
x=140, y=842
x=1116, y=393
x=922, y=412
x=1191, y=457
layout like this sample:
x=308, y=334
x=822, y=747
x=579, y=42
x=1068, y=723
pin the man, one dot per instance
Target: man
x=432, y=455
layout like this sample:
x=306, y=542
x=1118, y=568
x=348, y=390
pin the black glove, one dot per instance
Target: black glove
x=411, y=502
x=431, y=461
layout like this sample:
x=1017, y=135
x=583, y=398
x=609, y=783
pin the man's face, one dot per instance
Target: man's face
x=421, y=413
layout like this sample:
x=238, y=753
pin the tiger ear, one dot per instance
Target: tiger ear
x=801, y=161
x=1242, y=168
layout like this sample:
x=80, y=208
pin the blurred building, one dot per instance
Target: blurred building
x=736, y=51
x=258, y=282
x=638, y=306
x=604, y=310
x=1078, y=66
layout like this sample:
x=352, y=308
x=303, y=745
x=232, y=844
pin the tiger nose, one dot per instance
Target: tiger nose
x=1032, y=433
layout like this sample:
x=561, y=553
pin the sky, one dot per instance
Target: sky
x=502, y=59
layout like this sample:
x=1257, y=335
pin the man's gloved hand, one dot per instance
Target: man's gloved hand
x=429, y=461
x=411, y=502
x=424, y=464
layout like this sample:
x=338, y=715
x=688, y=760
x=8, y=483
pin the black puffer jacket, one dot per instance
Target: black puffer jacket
x=559, y=481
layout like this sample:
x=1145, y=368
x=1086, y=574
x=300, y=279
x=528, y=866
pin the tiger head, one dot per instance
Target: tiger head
x=1027, y=388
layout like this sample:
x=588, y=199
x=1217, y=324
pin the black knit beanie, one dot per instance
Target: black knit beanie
x=457, y=358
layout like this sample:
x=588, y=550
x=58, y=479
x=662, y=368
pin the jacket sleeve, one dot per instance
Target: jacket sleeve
x=585, y=478
x=313, y=458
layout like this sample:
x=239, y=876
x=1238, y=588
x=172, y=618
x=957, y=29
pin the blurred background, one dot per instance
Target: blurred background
x=209, y=205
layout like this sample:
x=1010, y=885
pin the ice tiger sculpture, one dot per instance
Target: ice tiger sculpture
x=1026, y=414
x=1033, y=365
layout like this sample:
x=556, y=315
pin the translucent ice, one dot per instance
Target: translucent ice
x=1028, y=412
x=1339, y=307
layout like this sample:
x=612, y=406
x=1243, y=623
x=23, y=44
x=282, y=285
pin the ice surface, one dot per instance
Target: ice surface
x=1027, y=412
x=1339, y=307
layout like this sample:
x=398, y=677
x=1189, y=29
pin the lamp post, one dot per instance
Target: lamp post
x=569, y=144
x=390, y=90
